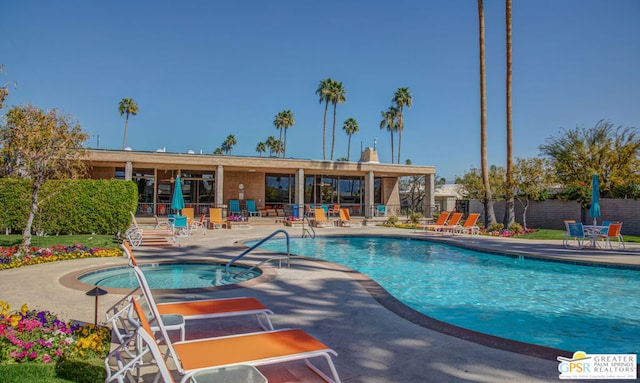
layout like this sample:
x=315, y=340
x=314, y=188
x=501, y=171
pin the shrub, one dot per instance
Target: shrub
x=415, y=217
x=516, y=228
x=391, y=221
x=495, y=227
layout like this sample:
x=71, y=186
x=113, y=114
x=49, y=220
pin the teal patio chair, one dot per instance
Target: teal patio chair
x=381, y=211
x=234, y=207
x=251, y=209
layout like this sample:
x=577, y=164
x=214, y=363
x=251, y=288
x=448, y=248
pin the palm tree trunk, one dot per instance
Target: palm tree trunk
x=284, y=144
x=391, y=132
x=349, y=149
x=124, y=138
x=509, y=208
x=324, y=131
x=489, y=217
x=400, y=128
x=333, y=137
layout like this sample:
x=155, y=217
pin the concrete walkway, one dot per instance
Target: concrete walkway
x=377, y=339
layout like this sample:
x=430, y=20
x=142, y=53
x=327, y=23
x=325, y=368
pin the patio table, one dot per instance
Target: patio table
x=593, y=232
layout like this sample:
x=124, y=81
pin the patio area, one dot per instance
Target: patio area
x=377, y=338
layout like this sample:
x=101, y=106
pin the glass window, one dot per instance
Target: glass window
x=279, y=188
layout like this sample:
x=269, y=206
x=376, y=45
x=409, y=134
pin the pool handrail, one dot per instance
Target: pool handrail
x=305, y=230
x=286, y=234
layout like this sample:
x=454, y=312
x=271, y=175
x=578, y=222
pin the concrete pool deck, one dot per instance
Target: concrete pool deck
x=376, y=338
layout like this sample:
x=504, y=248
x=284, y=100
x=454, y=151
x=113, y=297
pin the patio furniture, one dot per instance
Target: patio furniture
x=251, y=209
x=321, y=220
x=345, y=219
x=381, y=211
x=199, y=224
x=234, y=207
x=612, y=233
x=202, y=309
x=442, y=220
x=577, y=233
x=215, y=218
x=469, y=225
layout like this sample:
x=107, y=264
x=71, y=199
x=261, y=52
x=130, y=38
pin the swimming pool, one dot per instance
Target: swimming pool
x=170, y=276
x=553, y=304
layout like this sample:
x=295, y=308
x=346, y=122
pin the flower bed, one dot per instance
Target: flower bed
x=39, y=336
x=10, y=257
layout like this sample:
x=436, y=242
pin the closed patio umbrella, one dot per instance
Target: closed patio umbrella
x=177, y=202
x=594, y=211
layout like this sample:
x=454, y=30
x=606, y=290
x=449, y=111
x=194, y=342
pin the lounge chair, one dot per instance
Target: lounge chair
x=203, y=309
x=335, y=210
x=234, y=207
x=251, y=209
x=612, y=233
x=160, y=224
x=198, y=224
x=345, y=219
x=139, y=348
x=321, y=219
x=469, y=225
x=215, y=218
x=452, y=224
x=253, y=349
x=381, y=211
x=441, y=221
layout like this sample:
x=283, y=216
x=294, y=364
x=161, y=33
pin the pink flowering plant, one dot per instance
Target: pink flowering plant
x=39, y=336
x=10, y=257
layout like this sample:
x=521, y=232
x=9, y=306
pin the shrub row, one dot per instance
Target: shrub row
x=68, y=206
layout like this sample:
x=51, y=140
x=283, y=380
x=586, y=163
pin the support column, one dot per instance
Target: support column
x=220, y=189
x=299, y=197
x=128, y=171
x=429, y=195
x=369, y=193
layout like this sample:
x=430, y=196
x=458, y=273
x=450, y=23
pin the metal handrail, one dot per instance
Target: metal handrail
x=305, y=231
x=226, y=267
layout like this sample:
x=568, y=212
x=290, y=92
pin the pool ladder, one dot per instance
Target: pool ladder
x=305, y=230
x=279, y=257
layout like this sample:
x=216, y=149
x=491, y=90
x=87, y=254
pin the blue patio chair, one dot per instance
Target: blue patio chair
x=234, y=207
x=251, y=208
x=577, y=233
x=381, y=211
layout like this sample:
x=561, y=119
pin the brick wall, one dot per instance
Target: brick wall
x=550, y=214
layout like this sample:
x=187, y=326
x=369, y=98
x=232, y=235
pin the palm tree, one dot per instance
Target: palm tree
x=127, y=106
x=389, y=121
x=261, y=147
x=228, y=144
x=510, y=203
x=490, y=216
x=323, y=92
x=284, y=120
x=350, y=127
x=338, y=96
x=272, y=144
x=402, y=98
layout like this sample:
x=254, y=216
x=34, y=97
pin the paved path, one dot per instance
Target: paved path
x=377, y=339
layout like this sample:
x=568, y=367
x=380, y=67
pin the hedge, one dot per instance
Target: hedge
x=69, y=206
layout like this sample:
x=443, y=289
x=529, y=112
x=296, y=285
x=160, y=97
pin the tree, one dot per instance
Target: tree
x=228, y=144
x=489, y=216
x=261, y=147
x=337, y=95
x=217, y=151
x=611, y=153
x=323, y=91
x=127, y=106
x=350, y=127
x=283, y=121
x=4, y=90
x=41, y=146
x=402, y=98
x=533, y=178
x=509, y=212
x=390, y=123
x=473, y=185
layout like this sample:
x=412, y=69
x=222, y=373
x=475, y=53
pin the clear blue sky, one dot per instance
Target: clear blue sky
x=201, y=70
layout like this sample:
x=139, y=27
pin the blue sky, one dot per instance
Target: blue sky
x=201, y=70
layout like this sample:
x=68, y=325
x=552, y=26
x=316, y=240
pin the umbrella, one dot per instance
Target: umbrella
x=177, y=202
x=594, y=211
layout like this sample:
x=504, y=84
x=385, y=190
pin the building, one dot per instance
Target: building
x=275, y=184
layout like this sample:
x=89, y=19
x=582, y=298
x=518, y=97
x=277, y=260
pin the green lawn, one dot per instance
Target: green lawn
x=559, y=234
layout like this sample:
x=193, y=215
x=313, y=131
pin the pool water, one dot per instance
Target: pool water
x=561, y=305
x=170, y=276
